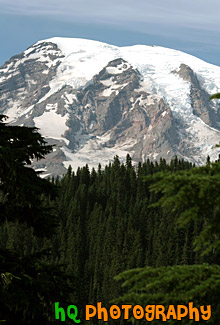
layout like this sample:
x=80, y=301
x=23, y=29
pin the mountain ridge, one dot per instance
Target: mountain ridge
x=95, y=100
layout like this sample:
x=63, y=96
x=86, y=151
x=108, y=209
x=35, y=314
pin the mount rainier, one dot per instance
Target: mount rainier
x=94, y=101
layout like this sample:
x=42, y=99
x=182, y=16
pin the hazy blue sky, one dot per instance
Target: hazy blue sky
x=192, y=26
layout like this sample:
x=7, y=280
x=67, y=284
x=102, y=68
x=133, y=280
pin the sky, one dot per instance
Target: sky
x=192, y=26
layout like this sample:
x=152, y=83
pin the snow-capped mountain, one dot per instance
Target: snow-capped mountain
x=95, y=100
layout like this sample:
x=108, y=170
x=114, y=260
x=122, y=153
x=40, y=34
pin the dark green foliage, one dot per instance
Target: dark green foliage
x=108, y=222
x=194, y=197
x=29, y=282
x=21, y=188
x=30, y=288
x=106, y=226
x=174, y=285
x=215, y=96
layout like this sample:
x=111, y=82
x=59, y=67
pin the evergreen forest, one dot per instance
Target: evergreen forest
x=145, y=233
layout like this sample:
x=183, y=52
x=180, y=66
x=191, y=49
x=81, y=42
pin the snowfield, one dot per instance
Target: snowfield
x=82, y=59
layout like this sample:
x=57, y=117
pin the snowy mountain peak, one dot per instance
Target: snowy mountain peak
x=95, y=100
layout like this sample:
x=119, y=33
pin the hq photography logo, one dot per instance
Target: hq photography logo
x=148, y=312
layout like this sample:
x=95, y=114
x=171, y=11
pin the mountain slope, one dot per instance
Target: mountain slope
x=95, y=100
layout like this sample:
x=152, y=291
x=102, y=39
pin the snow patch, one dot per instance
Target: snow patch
x=107, y=82
x=164, y=113
x=52, y=125
x=16, y=110
x=95, y=151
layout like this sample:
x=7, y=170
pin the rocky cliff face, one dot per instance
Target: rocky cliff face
x=200, y=102
x=94, y=101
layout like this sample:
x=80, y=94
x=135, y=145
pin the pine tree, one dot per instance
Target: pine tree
x=194, y=196
x=28, y=286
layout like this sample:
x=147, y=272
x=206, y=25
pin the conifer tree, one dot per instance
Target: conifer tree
x=28, y=287
x=195, y=196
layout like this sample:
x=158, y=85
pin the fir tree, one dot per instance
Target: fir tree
x=28, y=286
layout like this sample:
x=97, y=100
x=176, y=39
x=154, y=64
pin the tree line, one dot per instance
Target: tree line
x=68, y=238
